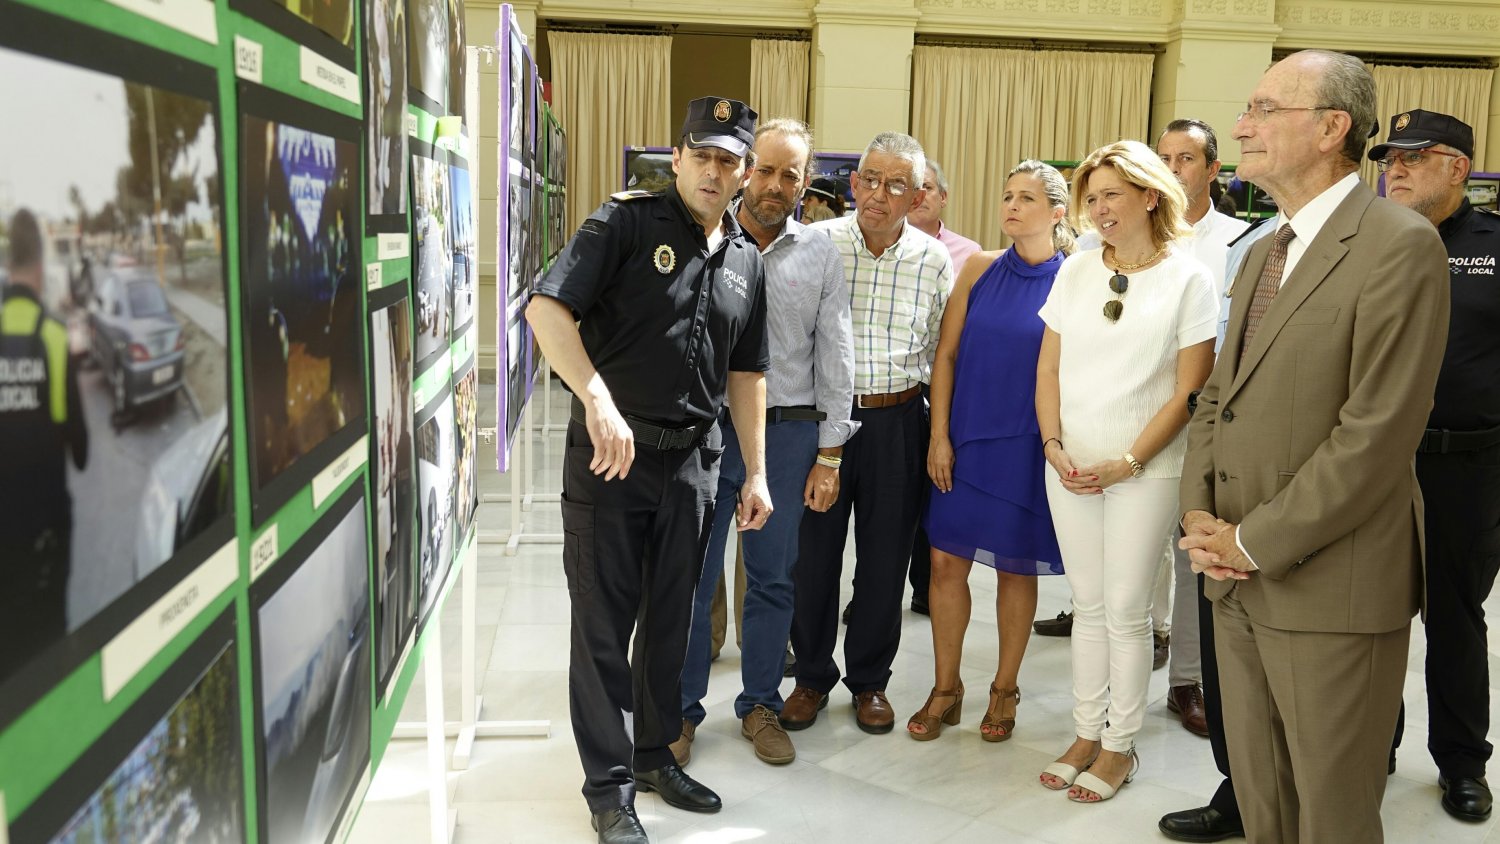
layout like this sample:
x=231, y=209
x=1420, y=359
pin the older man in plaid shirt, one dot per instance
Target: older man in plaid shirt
x=899, y=280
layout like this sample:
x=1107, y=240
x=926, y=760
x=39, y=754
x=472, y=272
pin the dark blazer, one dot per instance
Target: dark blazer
x=1307, y=443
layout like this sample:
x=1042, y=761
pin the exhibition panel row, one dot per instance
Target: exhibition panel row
x=239, y=392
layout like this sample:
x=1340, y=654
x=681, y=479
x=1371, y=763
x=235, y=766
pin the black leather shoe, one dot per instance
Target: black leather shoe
x=1060, y=626
x=1466, y=798
x=678, y=789
x=620, y=826
x=919, y=605
x=1202, y=824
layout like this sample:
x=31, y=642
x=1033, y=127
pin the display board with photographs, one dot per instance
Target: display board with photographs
x=115, y=474
x=647, y=169
x=394, y=475
x=516, y=231
x=323, y=25
x=312, y=677
x=386, y=159
x=302, y=284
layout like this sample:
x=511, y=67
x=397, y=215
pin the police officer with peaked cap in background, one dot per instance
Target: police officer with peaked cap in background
x=1427, y=161
x=670, y=307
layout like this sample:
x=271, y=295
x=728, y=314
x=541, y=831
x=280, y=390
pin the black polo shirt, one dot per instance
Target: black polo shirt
x=663, y=319
x=1468, y=387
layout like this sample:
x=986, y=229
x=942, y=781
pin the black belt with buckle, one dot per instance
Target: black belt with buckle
x=794, y=413
x=650, y=434
x=1436, y=441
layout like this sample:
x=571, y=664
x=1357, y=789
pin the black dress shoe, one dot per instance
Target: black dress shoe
x=620, y=826
x=1202, y=824
x=1466, y=798
x=919, y=605
x=1060, y=626
x=678, y=789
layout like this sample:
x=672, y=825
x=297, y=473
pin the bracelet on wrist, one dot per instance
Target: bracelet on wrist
x=1051, y=440
x=1136, y=467
x=830, y=462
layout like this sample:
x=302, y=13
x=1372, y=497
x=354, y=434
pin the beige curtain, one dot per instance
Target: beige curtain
x=778, y=78
x=980, y=111
x=1463, y=93
x=609, y=92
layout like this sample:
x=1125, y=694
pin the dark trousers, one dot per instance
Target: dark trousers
x=880, y=484
x=1462, y=495
x=920, y=573
x=632, y=550
x=1213, y=708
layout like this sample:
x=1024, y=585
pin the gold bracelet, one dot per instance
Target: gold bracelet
x=830, y=461
x=1136, y=467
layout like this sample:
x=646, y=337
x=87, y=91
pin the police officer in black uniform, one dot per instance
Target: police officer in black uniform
x=41, y=424
x=1426, y=161
x=671, y=311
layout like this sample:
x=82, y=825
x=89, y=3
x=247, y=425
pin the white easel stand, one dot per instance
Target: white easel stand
x=522, y=483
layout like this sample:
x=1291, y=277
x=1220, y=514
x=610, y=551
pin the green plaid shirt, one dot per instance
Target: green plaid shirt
x=896, y=302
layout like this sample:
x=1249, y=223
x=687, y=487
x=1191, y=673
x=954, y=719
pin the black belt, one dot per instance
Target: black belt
x=1435, y=441
x=650, y=434
x=794, y=413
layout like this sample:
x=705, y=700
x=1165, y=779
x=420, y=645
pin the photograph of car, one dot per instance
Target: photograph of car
x=313, y=696
x=435, y=481
x=135, y=339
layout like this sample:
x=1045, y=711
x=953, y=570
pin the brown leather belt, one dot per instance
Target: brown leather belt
x=888, y=399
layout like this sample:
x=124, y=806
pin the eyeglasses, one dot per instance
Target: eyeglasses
x=1261, y=112
x=893, y=187
x=1118, y=283
x=1409, y=158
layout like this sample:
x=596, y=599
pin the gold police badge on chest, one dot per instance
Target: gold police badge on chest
x=664, y=259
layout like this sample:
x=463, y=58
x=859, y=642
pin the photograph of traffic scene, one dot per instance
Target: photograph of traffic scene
x=432, y=228
x=395, y=482
x=182, y=782
x=302, y=282
x=465, y=249
x=114, y=364
x=314, y=697
x=435, y=477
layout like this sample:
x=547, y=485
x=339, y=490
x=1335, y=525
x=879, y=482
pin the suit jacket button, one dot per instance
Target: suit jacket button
x=1227, y=415
x=1223, y=476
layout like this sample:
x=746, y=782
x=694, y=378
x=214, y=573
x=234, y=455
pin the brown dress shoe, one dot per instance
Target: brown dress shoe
x=1187, y=701
x=873, y=713
x=772, y=745
x=801, y=708
x=682, y=749
x=1160, y=649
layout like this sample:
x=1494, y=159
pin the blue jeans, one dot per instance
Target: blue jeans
x=770, y=553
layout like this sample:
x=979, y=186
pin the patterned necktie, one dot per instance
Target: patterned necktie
x=1269, y=285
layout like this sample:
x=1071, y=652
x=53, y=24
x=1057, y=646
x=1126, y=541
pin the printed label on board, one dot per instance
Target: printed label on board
x=393, y=246
x=195, y=17
x=249, y=56
x=4, y=834
x=374, y=278
x=325, y=75
x=347, y=464
x=413, y=125
x=129, y=651
x=264, y=552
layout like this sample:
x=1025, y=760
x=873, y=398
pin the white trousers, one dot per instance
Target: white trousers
x=1112, y=551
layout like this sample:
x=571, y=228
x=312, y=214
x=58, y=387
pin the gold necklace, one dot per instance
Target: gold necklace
x=1130, y=268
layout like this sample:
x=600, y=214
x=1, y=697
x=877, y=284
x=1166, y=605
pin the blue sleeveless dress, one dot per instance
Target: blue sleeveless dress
x=997, y=512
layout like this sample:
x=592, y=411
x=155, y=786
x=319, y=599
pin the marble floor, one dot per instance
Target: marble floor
x=845, y=785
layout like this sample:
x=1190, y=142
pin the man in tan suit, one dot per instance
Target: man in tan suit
x=1299, y=495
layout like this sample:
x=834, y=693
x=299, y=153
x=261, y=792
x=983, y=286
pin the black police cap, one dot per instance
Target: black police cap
x=1418, y=129
x=719, y=122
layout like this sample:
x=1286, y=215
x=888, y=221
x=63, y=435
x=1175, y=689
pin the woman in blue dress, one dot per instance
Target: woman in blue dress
x=989, y=501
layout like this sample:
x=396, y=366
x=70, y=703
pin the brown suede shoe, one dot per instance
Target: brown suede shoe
x=682, y=749
x=801, y=708
x=772, y=744
x=873, y=712
x=1187, y=702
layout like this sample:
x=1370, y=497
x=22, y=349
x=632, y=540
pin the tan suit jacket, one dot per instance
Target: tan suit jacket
x=1307, y=443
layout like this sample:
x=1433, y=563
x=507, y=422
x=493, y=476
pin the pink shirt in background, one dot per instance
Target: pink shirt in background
x=959, y=247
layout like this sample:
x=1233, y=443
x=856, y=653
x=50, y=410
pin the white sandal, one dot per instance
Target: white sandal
x=1063, y=771
x=1102, y=788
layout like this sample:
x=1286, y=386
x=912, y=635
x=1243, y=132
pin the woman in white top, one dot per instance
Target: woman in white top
x=1130, y=329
